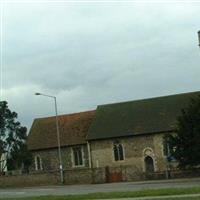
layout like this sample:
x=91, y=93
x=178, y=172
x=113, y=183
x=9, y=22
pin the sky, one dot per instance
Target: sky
x=88, y=53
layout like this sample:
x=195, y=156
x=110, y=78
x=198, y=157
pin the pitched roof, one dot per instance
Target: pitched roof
x=73, y=130
x=138, y=117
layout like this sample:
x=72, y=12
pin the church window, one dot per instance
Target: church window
x=38, y=163
x=168, y=150
x=78, y=156
x=118, y=151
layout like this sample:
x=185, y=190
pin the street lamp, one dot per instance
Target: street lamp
x=199, y=37
x=58, y=135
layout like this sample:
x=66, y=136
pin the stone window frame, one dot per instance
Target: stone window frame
x=72, y=156
x=116, y=142
x=38, y=166
x=148, y=151
x=3, y=162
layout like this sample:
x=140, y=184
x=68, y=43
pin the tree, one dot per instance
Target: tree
x=20, y=158
x=186, y=143
x=12, y=138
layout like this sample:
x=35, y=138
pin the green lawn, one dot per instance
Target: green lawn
x=111, y=195
x=185, y=198
x=65, y=198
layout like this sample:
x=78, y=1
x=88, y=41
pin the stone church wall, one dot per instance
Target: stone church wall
x=135, y=150
x=104, y=167
x=50, y=159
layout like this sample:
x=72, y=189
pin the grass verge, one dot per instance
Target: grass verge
x=115, y=195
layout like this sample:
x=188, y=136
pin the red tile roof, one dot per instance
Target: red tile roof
x=73, y=130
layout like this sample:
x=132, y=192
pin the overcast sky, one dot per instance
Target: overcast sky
x=87, y=54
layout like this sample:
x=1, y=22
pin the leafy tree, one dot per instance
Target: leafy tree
x=12, y=138
x=20, y=158
x=186, y=142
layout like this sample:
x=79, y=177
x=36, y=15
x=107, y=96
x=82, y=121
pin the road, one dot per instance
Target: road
x=109, y=187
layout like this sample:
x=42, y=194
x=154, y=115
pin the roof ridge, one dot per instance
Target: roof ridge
x=70, y=114
x=150, y=98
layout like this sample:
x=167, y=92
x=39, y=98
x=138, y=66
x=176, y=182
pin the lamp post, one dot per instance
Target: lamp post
x=199, y=37
x=58, y=135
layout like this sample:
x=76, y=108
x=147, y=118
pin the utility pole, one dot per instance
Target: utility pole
x=58, y=136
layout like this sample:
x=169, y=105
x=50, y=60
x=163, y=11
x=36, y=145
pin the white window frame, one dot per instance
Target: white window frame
x=73, y=159
x=38, y=166
x=118, y=143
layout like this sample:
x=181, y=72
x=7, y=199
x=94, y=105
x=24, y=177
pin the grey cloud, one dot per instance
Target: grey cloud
x=89, y=55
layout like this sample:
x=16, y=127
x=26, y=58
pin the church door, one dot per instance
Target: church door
x=149, y=166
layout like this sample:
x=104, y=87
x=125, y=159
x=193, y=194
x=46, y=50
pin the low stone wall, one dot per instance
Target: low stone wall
x=185, y=173
x=75, y=176
x=84, y=176
x=131, y=173
x=123, y=173
x=98, y=175
x=89, y=176
x=173, y=174
x=33, y=179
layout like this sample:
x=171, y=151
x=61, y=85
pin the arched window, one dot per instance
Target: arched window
x=118, y=151
x=38, y=163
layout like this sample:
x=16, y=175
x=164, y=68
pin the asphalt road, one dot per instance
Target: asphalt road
x=109, y=187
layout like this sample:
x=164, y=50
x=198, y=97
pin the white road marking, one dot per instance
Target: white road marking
x=11, y=193
x=45, y=189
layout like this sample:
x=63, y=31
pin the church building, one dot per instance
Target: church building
x=126, y=139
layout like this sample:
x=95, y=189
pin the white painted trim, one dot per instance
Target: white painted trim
x=147, y=148
x=97, y=163
x=89, y=155
x=36, y=163
x=3, y=162
x=82, y=154
x=152, y=155
x=72, y=157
